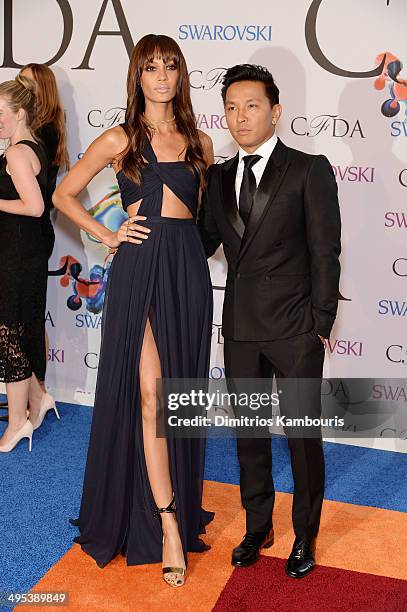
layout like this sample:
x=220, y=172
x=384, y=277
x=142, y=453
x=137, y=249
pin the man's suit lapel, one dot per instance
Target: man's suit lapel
x=267, y=190
x=229, y=170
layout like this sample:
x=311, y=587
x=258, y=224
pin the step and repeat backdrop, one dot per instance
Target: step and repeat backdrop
x=339, y=67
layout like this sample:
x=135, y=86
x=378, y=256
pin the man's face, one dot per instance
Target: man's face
x=251, y=119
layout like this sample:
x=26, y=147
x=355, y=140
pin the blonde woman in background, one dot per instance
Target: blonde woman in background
x=23, y=263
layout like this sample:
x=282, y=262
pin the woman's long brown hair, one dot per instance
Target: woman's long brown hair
x=49, y=109
x=136, y=127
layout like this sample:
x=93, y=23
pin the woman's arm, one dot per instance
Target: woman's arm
x=103, y=151
x=207, y=147
x=20, y=168
x=206, y=220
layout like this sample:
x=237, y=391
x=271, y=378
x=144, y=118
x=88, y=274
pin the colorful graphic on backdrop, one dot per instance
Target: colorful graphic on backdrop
x=398, y=87
x=108, y=211
x=91, y=291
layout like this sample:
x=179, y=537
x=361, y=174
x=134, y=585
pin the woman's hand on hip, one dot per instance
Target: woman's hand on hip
x=129, y=231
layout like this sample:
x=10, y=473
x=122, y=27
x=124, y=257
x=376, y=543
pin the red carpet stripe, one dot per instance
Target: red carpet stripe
x=265, y=587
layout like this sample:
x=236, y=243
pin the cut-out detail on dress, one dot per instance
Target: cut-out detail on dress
x=177, y=176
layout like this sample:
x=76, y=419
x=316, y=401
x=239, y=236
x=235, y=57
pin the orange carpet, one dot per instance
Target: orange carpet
x=359, y=538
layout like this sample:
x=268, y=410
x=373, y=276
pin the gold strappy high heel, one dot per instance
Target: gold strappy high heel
x=178, y=578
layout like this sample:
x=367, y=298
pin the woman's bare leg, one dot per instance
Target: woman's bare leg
x=17, y=396
x=155, y=449
x=36, y=393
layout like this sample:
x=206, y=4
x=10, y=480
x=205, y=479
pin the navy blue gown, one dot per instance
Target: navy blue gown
x=165, y=279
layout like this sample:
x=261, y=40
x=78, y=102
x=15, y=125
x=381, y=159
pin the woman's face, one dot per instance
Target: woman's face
x=159, y=80
x=9, y=120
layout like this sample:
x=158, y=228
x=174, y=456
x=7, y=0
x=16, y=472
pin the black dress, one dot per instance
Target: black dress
x=165, y=279
x=48, y=135
x=23, y=283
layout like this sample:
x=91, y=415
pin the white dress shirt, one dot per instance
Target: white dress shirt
x=265, y=150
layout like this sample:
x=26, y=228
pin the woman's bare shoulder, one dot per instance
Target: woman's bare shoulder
x=115, y=139
x=19, y=153
x=206, y=141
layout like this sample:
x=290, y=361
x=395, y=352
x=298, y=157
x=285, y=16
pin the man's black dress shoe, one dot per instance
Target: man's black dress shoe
x=247, y=552
x=301, y=560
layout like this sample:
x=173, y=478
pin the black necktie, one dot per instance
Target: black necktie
x=248, y=186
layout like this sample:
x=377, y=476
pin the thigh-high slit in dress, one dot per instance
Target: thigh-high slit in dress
x=165, y=280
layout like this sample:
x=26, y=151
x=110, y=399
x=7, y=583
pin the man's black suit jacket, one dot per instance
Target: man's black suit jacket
x=283, y=267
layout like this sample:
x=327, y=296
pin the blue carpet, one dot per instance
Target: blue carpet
x=354, y=475
x=40, y=491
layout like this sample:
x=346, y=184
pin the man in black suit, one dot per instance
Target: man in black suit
x=275, y=210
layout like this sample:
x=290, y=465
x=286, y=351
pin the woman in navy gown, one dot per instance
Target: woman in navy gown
x=142, y=494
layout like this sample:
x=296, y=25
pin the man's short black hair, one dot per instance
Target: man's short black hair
x=251, y=72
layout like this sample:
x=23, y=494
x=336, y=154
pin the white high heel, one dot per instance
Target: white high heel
x=47, y=403
x=26, y=431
